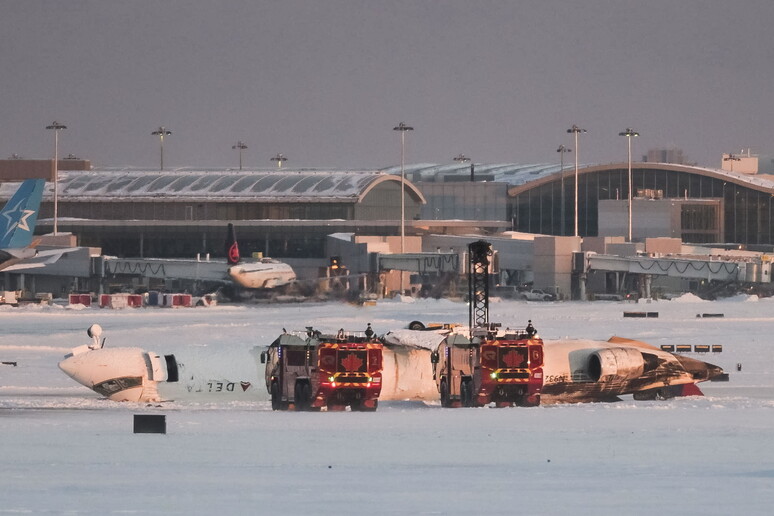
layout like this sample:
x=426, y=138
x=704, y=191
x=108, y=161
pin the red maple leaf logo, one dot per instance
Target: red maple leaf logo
x=513, y=359
x=352, y=363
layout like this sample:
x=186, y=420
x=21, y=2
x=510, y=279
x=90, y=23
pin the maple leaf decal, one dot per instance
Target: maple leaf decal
x=352, y=362
x=513, y=359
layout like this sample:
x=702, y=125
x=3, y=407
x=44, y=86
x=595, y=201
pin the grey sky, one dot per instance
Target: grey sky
x=325, y=81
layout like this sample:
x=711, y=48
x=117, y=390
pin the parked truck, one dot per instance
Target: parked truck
x=310, y=370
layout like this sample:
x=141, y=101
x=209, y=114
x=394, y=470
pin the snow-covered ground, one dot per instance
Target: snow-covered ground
x=65, y=451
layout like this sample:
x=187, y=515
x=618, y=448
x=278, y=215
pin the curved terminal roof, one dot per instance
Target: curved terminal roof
x=524, y=177
x=187, y=184
x=319, y=185
x=763, y=183
x=511, y=173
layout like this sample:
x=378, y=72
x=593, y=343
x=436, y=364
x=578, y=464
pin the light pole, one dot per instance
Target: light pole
x=402, y=128
x=241, y=146
x=161, y=133
x=279, y=158
x=732, y=158
x=630, y=133
x=562, y=150
x=576, y=130
x=464, y=159
x=56, y=126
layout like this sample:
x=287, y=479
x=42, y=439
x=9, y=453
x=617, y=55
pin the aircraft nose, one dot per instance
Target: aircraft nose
x=73, y=368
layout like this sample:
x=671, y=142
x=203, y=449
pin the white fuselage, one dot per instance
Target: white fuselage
x=573, y=371
x=267, y=273
x=134, y=374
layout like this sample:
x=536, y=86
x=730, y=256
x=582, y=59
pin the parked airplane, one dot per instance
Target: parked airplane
x=266, y=273
x=574, y=371
x=17, y=223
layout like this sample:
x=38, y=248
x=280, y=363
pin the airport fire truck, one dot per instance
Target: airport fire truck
x=310, y=370
x=489, y=364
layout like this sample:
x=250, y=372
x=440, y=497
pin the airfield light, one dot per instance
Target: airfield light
x=56, y=126
x=576, y=131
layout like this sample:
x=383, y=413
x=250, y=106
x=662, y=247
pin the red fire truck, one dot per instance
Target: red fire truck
x=489, y=364
x=309, y=370
x=493, y=366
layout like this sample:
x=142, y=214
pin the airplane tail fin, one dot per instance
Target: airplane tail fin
x=232, y=248
x=19, y=216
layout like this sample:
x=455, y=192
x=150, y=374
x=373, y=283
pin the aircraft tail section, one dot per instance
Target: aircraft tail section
x=19, y=216
x=232, y=248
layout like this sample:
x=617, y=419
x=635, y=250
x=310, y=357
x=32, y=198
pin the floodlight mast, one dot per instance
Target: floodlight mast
x=576, y=131
x=630, y=133
x=464, y=159
x=241, y=146
x=562, y=150
x=161, y=132
x=279, y=158
x=402, y=128
x=56, y=127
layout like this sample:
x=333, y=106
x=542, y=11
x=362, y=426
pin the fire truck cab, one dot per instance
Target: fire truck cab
x=309, y=371
x=504, y=367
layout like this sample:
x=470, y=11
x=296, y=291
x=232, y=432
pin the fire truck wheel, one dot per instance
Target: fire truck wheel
x=531, y=401
x=359, y=406
x=466, y=393
x=276, y=404
x=445, y=399
x=302, y=394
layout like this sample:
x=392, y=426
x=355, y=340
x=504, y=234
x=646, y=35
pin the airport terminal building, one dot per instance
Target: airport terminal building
x=288, y=213
x=184, y=212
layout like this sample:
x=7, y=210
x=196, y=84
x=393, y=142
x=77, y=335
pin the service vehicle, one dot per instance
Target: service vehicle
x=310, y=370
x=535, y=294
x=489, y=364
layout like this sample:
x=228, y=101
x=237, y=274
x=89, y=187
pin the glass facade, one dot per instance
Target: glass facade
x=747, y=212
x=464, y=201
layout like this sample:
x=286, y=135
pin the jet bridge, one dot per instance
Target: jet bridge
x=421, y=263
x=166, y=268
x=688, y=268
x=705, y=268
